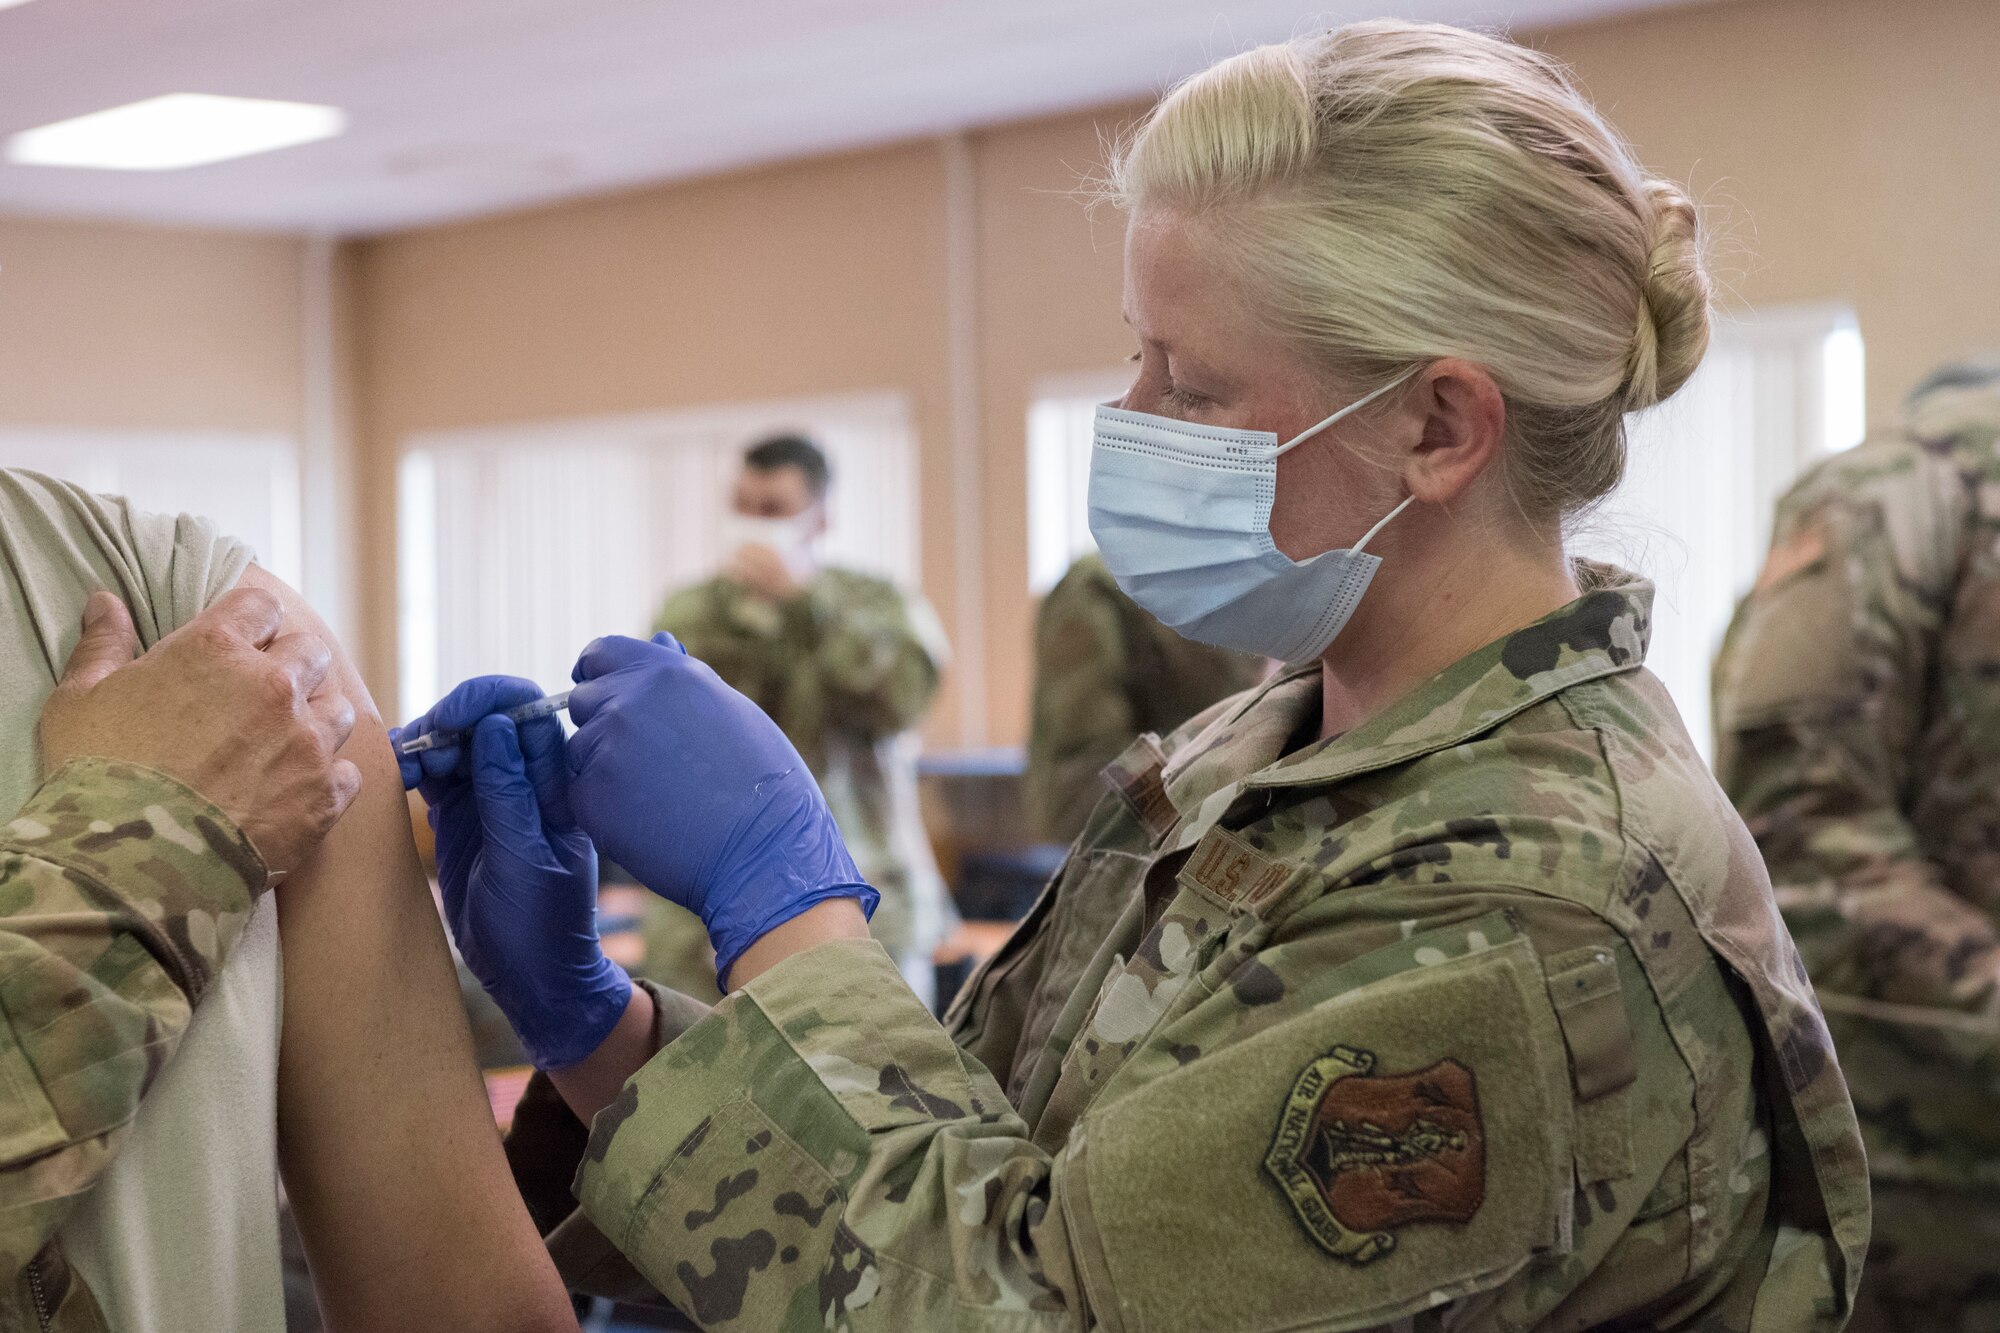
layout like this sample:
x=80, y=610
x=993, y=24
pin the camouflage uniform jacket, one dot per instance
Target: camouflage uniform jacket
x=121, y=892
x=845, y=668
x=1478, y=1017
x=1105, y=672
x=1858, y=730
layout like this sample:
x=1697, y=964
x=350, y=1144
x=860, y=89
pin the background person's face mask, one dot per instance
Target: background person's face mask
x=791, y=538
x=1182, y=516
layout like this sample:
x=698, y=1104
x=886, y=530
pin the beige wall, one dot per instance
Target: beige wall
x=1845, y=146
x=1050, y=277
x=135, y=328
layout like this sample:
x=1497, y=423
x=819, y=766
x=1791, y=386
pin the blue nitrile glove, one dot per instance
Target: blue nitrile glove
x=688, y=785
x=519, y=878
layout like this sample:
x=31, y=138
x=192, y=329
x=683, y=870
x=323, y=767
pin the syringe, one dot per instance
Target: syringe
x=546, y=706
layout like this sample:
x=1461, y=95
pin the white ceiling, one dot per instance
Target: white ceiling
x=463, y=107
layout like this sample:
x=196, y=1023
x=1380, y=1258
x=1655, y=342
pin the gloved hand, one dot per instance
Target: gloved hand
x=688, y=785
x=519, y=878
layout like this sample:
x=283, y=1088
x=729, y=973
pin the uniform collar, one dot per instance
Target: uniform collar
x=1602, y=633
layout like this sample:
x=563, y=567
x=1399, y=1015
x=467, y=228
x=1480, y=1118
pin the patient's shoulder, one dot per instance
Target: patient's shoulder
x=64, y=542
x=58, y=544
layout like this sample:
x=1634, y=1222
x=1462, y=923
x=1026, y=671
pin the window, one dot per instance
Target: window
x=520, y=544
x=1059, y=425
x=1777, y=390
x=247, y=485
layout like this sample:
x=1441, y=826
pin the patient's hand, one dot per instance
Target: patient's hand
x=229, y=705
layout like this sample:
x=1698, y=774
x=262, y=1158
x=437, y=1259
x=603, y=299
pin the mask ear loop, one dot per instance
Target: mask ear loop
x=1369, y=535
x=1354, y=406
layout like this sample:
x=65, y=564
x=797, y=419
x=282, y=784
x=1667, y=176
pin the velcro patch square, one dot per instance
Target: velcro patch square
x=1384, y=1150
x=1231, y=872
x=1136, y=775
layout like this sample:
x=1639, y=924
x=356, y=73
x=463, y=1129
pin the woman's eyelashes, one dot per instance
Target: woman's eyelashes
x=1166, y=393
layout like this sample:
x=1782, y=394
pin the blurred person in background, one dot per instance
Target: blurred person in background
x=176, y=916
x=847, y=664
x=1432, y=985
x=1857, y=713
x=1106, y=672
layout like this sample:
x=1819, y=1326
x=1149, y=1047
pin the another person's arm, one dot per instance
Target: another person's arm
x=695, y=616
x=1082, y=715
x=390, y=1154
x=1821, y=694
x=850, y=653
x=177, y=785
x=879, y=652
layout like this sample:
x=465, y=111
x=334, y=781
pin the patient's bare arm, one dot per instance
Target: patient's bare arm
x=390, y=1155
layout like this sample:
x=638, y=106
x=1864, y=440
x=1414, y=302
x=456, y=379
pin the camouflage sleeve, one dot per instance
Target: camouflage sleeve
x=121, y=891
x=1080, y=717
x=819, y=1154
x=876, y=652
x=1820, y=691
x=851, y=652
x=735, y=1169
x=695, y=616
x=545, y=1140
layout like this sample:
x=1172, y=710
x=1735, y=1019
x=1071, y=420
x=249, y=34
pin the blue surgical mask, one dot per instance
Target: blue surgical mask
x=1182, y=516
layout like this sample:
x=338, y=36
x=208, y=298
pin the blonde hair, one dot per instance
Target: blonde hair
x=1393, y=193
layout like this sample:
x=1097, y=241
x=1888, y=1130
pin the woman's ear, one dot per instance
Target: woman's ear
x=1465, y=418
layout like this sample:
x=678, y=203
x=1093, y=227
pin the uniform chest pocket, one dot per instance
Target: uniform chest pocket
x=1404, y=1143
x=1093, y=913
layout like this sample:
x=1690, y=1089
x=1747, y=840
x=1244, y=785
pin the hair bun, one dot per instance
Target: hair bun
x=1674, y=296
x=1392, y=194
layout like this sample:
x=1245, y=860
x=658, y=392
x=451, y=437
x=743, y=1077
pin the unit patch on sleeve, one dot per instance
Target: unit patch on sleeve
x=1359, y=1154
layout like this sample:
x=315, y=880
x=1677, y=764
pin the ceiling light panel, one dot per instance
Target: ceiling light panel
x=175, y=131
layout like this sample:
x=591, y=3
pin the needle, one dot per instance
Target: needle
x=546, y=706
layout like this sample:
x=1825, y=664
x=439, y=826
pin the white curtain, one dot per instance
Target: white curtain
x=247, y=485
x=1778, y=389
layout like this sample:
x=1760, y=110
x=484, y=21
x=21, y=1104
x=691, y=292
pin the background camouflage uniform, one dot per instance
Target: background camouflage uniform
x=1512, y=913
x=121, y=892
x=1106, y=671
x=1858, y=730
x=845, y=668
